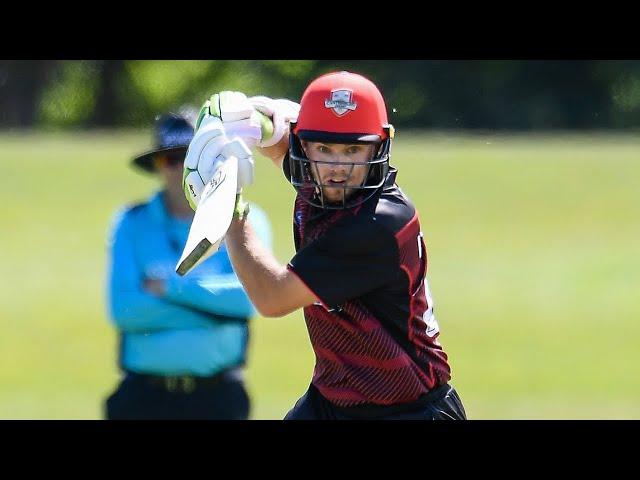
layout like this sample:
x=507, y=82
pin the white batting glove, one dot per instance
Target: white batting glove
x=281, y=112
x=238, y=116
x=209, y=146
x=258, y=120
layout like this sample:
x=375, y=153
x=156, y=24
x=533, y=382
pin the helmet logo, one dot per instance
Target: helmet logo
x=340, y=102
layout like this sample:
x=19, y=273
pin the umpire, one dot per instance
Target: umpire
x=182, y=340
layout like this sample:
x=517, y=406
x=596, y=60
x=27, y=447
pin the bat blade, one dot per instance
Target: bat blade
x=212, y=218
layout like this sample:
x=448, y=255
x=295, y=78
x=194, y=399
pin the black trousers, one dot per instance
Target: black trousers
x=443, y=403
x=139, y=397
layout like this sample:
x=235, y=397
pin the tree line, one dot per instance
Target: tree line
x=471, y=94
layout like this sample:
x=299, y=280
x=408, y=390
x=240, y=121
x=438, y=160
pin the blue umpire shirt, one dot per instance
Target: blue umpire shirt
x=200, y=325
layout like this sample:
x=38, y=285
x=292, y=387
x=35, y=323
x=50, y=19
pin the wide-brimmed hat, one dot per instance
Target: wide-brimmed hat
x=172, y=133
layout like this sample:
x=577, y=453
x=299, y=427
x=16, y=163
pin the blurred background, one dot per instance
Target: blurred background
x=526, y=175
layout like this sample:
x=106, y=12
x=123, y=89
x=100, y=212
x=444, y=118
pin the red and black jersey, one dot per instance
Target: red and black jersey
x=374, y=334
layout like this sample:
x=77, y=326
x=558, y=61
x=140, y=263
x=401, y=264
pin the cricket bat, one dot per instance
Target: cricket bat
x=212, y=217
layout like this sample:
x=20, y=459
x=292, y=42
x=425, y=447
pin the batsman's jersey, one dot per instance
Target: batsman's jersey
x=374, y=333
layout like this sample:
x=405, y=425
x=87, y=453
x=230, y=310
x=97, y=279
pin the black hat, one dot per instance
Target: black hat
x=173, y=132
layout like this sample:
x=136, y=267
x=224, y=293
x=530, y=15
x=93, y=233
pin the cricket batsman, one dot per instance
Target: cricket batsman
x=359, y=272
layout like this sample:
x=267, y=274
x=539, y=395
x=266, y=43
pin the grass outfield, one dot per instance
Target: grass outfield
x=534, y=268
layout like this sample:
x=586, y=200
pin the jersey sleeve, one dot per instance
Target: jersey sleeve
x=347, y=262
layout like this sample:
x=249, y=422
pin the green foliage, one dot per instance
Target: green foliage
x=293, y=69
x=70, y=99
x=165, y=83
x=512, y=94
x=405, y=101
x=626, y=93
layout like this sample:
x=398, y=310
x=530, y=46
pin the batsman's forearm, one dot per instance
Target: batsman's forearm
x=262, y=276
x=277, y=152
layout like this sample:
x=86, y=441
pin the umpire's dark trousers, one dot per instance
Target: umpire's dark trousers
x=150, y=397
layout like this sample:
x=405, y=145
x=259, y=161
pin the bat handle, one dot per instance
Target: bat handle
x=266, y=124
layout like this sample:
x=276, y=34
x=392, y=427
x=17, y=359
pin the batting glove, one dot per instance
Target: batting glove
x=209, y=146
x=240, y=118
x=280, y=111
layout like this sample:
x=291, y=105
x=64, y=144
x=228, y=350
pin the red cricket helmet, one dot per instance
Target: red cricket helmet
x=339, y=107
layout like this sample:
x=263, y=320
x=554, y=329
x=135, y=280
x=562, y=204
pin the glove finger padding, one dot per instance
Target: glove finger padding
x=248, y=130
x=281, y=112
x=204, y=151
x=217, y=149
x=193, y=187
x=237, y=116
x=232, y=106
x=209, y=157
x=263, y=104
x=210, y=127
x=241, y=151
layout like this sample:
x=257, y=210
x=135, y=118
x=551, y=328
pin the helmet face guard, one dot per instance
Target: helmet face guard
x=339, y=108
x=304, y=175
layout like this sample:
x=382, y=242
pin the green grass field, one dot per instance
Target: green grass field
x=534, y=254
